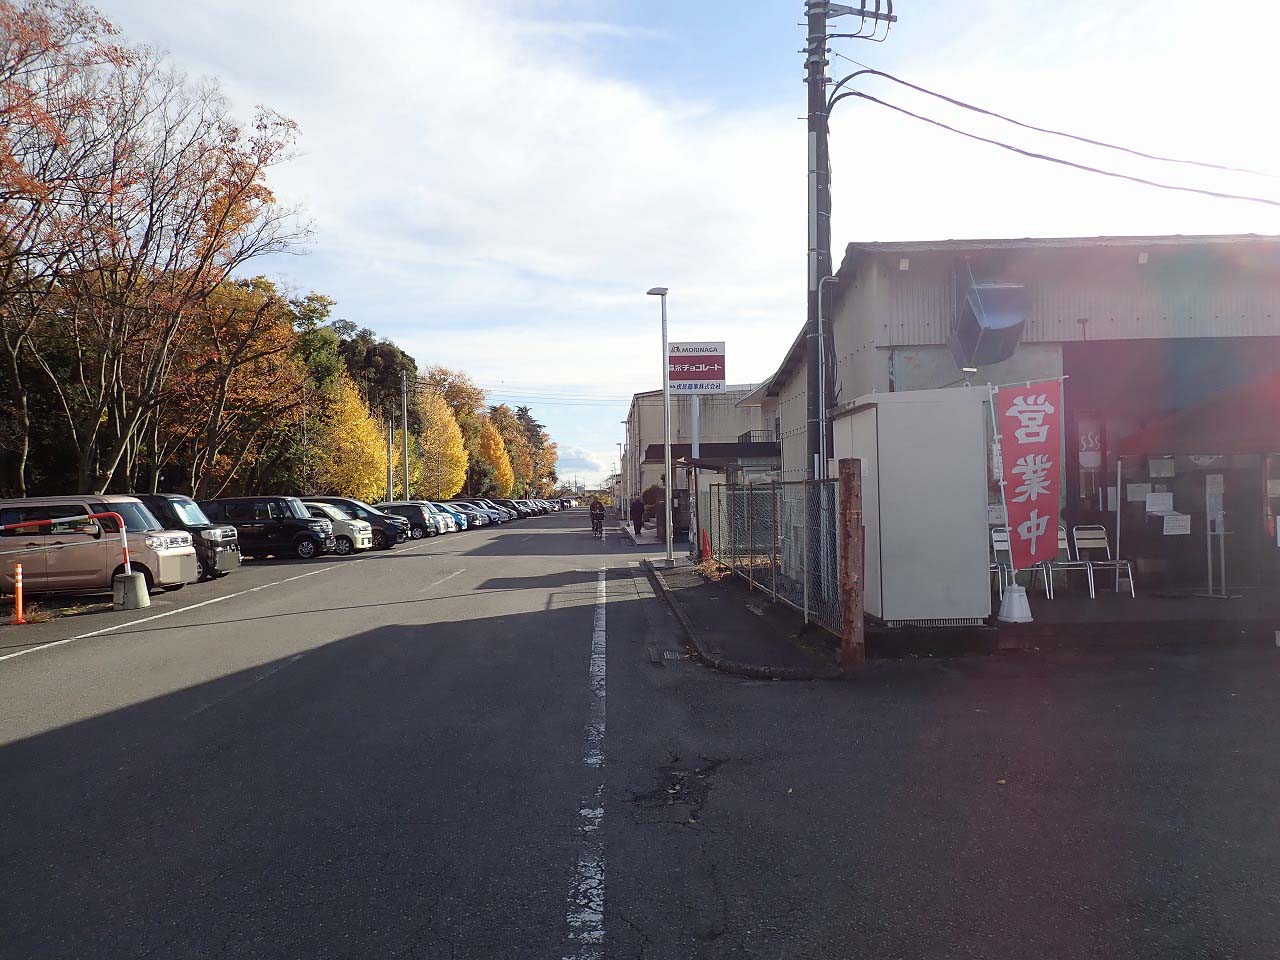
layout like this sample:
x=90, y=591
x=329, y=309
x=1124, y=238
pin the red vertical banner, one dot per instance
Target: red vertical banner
x=1030, y=425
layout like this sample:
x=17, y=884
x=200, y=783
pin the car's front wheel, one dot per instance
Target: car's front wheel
x=417, y=532
x=343, y=546
x=306, y=548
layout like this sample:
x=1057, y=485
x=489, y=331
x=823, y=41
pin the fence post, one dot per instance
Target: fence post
x=17, y=595
x=773, y=537
x=804, y=543
x=751, y=543
x=853, y=653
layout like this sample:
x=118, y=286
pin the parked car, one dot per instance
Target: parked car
x=566, y=503
x=421, y=520
x=83, y=556
x=522, y=511
x=272, y=525
x=459, y=517
x=492, y=514
x=506, y=513
x=388, y=529
x=475, y=516
x=217, y=544
x=349, y=535
x=444, y=520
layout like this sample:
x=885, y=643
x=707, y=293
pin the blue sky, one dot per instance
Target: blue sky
x=494, y=186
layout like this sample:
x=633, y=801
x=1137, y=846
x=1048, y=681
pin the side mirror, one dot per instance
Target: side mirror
x=90, y=528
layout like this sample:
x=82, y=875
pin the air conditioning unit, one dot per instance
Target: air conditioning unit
x=989, y=322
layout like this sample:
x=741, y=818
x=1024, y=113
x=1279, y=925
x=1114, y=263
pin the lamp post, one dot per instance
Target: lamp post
x=661, y=292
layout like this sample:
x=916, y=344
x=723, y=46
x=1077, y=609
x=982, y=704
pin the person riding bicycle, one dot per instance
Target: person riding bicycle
x=597, y=516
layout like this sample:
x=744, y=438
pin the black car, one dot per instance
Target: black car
x=217, y=544
x=388, y=530
x=272, y=525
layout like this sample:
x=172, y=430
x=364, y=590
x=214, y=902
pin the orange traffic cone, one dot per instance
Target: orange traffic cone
x=706, y=545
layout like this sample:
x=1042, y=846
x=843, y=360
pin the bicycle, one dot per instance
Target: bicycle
x=597, y=527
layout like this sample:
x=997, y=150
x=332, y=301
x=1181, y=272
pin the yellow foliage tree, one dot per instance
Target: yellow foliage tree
x=444, y=456
x=351, y=457
x=493, y=451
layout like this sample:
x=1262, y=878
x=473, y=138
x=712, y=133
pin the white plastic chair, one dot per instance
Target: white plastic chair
x=1067, y=563
x=1093, y=537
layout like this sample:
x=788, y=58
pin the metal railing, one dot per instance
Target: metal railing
x=757, y=436
x=782, y=538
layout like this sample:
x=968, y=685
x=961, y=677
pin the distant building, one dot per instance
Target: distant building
x=724, y=426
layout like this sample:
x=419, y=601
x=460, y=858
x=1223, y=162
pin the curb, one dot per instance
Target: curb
x=724, y=664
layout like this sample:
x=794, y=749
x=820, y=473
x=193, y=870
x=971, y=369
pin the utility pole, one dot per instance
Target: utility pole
x=819, y=214
x=818, y=12
x=404, y=425
x=391, y=427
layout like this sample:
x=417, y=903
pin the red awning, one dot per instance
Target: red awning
x=1243, y=420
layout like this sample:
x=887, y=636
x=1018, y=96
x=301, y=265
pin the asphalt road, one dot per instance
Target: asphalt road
x=464, y=748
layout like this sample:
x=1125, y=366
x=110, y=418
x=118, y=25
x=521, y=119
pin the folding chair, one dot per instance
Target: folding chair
x=999, y=545
x=1008, y=576
x=1094, y=537
x=1065, y=562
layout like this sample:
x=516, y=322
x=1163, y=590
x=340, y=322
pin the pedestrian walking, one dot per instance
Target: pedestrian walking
x=637, y=514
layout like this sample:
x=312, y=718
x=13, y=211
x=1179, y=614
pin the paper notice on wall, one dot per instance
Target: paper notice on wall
x=1212, y=504
x=1177, y=524
x=1137, y=492
x=1160, y=468
x=1159, y=503
x=1113, y=500
x=1216, y=483
x=996, y=515
x=1273, y=488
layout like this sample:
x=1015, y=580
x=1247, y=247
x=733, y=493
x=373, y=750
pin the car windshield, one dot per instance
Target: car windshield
x=137, y=518
x=325, y=510
x=296, y=509
x=188, y=511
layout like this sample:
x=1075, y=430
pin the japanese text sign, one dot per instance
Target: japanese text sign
x=696, y=367
x=1030, y=428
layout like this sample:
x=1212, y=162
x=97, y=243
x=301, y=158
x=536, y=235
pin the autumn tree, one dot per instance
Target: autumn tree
x=52, y=55
x=517, y=443
x=187, y=206
x=350, y=452
x=490, y=450
x=444, y=458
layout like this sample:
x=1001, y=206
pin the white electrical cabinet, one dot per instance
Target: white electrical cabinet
x=924, y=495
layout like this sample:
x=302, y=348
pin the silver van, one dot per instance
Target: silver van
x=82, y=556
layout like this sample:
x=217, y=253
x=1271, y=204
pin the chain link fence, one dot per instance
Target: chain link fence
x=782, y=538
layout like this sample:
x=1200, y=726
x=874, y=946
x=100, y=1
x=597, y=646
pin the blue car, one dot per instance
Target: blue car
x=458, y=515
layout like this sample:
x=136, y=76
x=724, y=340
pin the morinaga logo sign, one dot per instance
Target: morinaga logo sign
x=696, y=367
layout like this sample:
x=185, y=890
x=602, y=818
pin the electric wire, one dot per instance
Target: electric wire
x=872, y=71
x=1058, y=160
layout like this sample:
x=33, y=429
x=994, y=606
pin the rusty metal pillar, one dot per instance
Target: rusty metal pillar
x=853, y=653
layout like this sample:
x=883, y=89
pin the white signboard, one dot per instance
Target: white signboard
x=1159, y=503
x=696, y=367
x=1177, y=524
x=1112, y=500
x=1214, y=483
x=1160, y=468
x=1137, y=492
x=995, y=515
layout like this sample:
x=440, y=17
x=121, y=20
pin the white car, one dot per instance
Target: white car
x=443, y=520
x=349, y=533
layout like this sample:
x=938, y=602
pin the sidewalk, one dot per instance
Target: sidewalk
x=741, y=632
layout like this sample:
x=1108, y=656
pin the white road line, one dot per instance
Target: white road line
x=245, y=686
x=432, y=586
x=161, y=616
x=586, y=898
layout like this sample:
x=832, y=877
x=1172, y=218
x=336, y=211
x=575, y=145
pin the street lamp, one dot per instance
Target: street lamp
x=661, y=292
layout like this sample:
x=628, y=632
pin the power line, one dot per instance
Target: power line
x=1058, y=160
x=872, y=71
